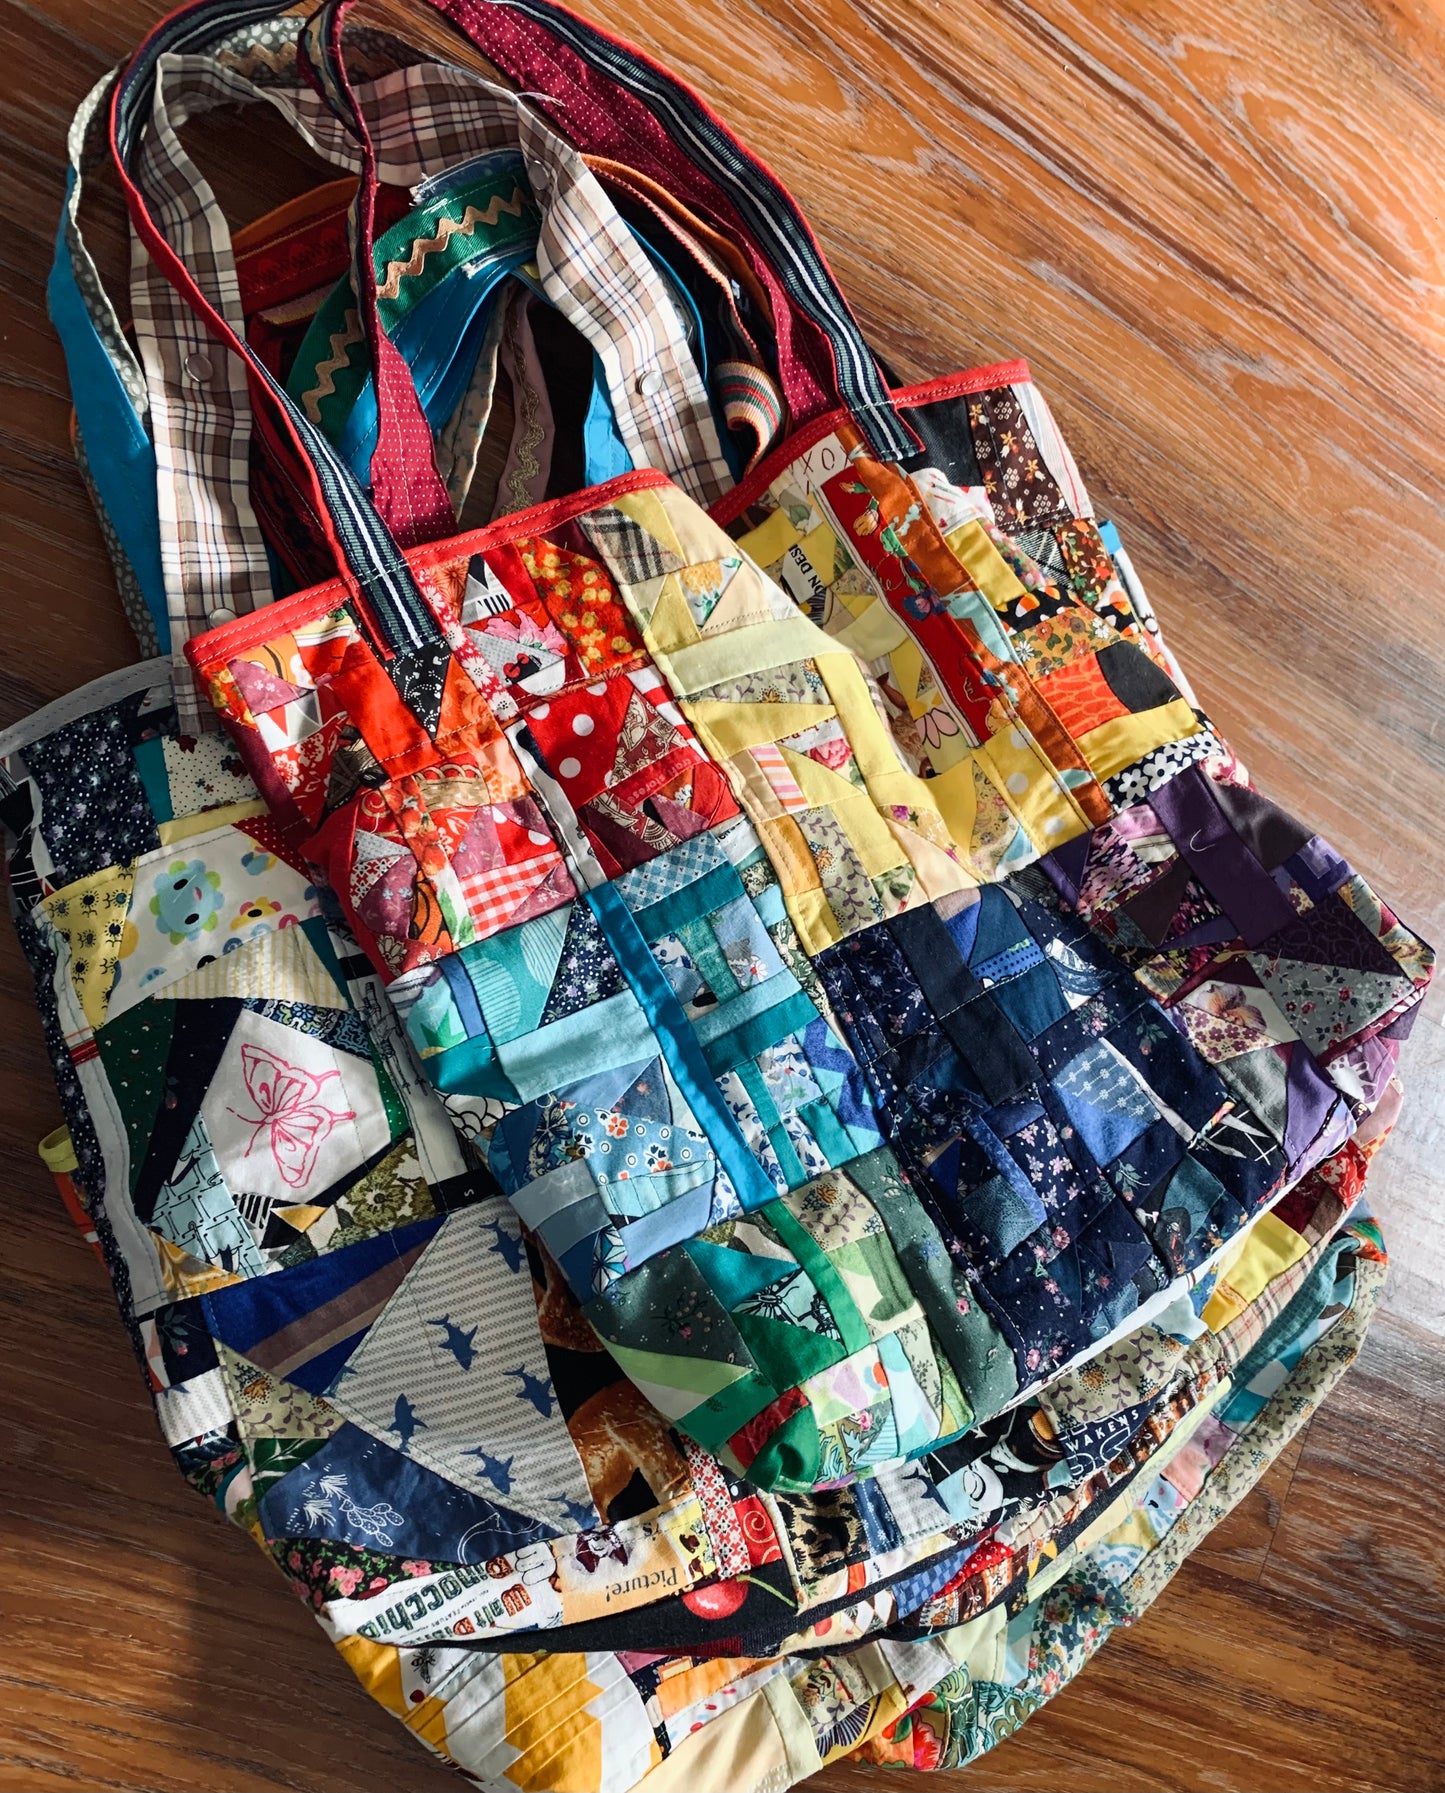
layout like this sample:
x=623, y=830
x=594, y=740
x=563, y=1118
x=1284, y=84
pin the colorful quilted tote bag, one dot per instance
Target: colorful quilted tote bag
x=783, y=1719
x=881, y=844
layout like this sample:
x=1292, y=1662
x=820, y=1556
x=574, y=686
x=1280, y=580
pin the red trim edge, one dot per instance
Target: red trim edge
x=977, y=379
x=218, y=645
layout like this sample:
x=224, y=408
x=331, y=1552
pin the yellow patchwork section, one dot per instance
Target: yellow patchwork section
x=771, y=540
x=1249, y=1266
x=206, y=821
x=847, y=853
x=1031, y=788
x=988, y=569
x=91, y=916
x=1117, y=744
x=1002, y=800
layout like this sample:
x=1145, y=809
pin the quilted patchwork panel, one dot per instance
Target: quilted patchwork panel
x=352, y=1345
x=692, y=935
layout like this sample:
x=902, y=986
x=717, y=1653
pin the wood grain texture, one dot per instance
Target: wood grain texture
x=1217, y=234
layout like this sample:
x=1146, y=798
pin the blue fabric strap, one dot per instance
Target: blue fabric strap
x=118, y=449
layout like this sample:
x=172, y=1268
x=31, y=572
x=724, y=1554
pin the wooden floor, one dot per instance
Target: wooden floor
x=1217, y=232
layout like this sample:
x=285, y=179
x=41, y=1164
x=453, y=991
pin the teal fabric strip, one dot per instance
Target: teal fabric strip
x=710, y=891
x=470, y=1069
x=604, y=453
x=150, y=763
x=758, y=1032
x=707, y=957
x=789, y=1163
x=121, y=457
x=759, y=1095
x=679, y=1045
x=748, y=1005
x=794, y=1171
x=827, y=1129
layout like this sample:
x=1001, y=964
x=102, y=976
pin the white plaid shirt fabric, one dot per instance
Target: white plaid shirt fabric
x=424, y=118
x=213, y=554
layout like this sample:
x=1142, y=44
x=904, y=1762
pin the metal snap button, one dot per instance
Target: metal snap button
x=650, y=383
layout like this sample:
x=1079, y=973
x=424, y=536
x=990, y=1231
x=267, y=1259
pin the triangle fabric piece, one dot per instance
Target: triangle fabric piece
x=457, y=1357
x=1329, y=935
x=746, y=600
x=735, y=1276
x=703, y=586
x=1325, y=1004
x=420, y=678
x=630, y=553
x=281, y=966
x=261, y=688
x=787, y=1354
x=352, y=766
x=678, y=819
x=644, y=737
x=267, y=1406
x=90, y=917
x=586, y=970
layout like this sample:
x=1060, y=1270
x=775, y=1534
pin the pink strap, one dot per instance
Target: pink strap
x=406, y=487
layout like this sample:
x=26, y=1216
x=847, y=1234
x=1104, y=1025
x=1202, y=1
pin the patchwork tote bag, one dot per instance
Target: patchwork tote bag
x=979, y=1053
x=521, y=1175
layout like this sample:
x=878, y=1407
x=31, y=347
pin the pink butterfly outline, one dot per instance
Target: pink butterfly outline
x=287, y=1103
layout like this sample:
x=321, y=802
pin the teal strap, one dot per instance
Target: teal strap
x=118, y=449
x=604, y=452
x=679, y=1046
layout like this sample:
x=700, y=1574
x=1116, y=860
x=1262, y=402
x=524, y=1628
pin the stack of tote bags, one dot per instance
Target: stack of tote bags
x=718, y=1114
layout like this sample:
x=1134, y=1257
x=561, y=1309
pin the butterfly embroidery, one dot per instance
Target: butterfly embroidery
x=289, y=1110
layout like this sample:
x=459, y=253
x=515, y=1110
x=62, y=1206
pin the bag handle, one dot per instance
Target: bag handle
x=361, y=543
x=593, y=268
x=626, y=313
x=608, y=97
x=397, y=616
x=627, y=106
x=405, y=485
x=363, y=549
x=611, y=99
x=109, y=392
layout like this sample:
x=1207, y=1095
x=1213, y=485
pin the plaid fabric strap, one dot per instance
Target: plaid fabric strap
x=213, y=555
x=360, y=545
x=421, y=119
x=629, y=107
